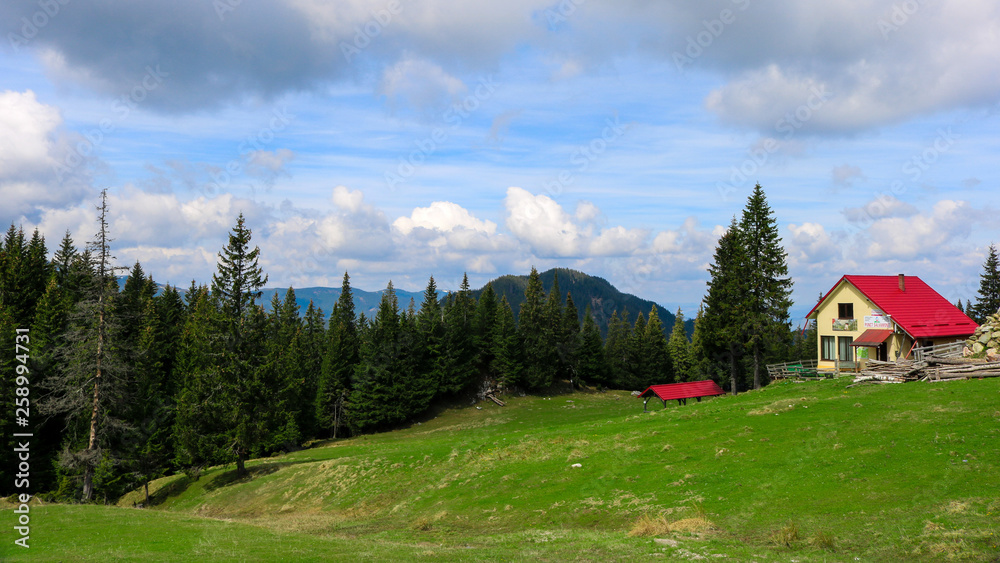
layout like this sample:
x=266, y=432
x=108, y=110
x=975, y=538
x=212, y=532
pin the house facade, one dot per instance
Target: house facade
x=883, y=318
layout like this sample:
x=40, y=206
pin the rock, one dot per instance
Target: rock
x=577, y=465
x=966, y=352
x=985, y=337
x=992, y=355
x=977, y=348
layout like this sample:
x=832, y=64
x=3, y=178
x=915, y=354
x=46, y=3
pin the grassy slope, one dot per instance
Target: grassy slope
x=880, y=473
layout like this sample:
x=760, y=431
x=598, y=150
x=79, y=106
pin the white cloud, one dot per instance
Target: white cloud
x=845, y=174
x=811, y=244
x=443, y=216
x=419, y=84
x=33, y=148
x=924, y=235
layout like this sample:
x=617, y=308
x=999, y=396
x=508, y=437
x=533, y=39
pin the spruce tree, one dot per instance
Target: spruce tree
x=616, y=349
x=988, y=297
x=568, y=341
x=698, y=369
x=592, y=367
x=725, y=306
x=765, y=278
x=680, y=348
x=484, y=332
x=339, y=361
x=656, y=366
x=458, y=362
x=91, y=391
x=508, y=358
x=244, y=398
x=536, y=339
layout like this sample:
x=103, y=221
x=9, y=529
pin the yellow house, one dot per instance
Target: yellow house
x=883, y=318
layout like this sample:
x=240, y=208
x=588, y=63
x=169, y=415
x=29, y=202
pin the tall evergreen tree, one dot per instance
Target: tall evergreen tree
x=698, y=354
x=568, y=341
x=536, y=338
x=656, y=366
x=680, y=348
x=508, y=359
x=339, y=361
x=458, y=365
x=725, y=308
x=592, y=367
x=92, y=389
x=244, y=398
x=988, y=297
x=484, y=332
x=765, y=278
x=616, y=349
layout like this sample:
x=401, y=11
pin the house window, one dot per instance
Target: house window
x=845, y=310
x=829, y=348
x=846, y=352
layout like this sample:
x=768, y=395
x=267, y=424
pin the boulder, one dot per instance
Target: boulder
x=977, y=348
x=992, y=355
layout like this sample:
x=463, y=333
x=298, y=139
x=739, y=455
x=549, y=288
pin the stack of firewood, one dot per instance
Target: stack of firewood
x=932, y=368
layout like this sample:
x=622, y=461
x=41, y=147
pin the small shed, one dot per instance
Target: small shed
x=681, y=392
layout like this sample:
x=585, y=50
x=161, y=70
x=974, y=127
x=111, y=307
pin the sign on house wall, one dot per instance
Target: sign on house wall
x=877, y=320
x=845, y=324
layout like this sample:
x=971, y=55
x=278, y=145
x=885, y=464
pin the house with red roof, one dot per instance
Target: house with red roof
x=883, y=318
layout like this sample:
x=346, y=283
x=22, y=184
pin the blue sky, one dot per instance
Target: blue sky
x=402, y=139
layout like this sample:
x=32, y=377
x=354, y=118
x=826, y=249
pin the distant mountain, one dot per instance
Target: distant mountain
x=602, y=297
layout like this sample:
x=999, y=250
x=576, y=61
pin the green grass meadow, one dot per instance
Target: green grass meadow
x=811, y=471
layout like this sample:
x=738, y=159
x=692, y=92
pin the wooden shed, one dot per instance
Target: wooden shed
x=681, y=392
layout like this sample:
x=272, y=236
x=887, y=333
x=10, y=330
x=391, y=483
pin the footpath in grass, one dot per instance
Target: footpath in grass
x=812, y=471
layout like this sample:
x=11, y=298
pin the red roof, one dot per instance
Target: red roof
x=872, y=337
x=919, y=310
x=688, y=390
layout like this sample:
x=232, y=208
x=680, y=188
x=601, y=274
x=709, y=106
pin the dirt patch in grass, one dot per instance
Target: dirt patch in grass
x=784, y=405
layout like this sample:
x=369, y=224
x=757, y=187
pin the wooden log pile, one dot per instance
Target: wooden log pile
x=931, y=368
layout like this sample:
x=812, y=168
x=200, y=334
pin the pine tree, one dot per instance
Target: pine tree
x=508, y=360
x=244, y=398
x=616, y=349
x=536, y=338
x=92, y=390
x=484, y=333
x=340, y=358
x=656, y=366
x=458, y=361
x=680, y=348
x=988, y=297
x=767, y=285
x=592, y=365
x=568, y=341
x=725, y=317
x=698, y=355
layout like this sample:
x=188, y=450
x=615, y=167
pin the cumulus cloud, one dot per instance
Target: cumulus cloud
x=925, y=235
x=881, y=207
x=34, y=173
x=810, y=243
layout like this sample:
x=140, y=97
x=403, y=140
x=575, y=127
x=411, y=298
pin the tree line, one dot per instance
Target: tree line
x=135, y=382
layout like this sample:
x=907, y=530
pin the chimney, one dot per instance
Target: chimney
x=902, y=282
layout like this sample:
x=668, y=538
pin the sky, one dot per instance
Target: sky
x=399, y=139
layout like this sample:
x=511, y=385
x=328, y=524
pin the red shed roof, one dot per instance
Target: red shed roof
x=917, y=309
x=688, y=390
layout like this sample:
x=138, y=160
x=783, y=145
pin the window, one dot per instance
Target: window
x=829, y=348
x=846, y=352
x=845, y=310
